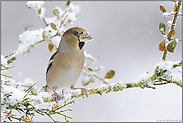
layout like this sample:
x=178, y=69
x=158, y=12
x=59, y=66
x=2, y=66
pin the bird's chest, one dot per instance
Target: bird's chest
x=70, y=63
x=65, y=71
x=68, y=77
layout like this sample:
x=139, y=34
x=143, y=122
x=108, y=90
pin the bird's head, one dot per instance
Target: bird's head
x=73, y=40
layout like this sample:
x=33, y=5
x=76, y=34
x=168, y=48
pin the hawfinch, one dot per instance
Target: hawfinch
x=66, y=64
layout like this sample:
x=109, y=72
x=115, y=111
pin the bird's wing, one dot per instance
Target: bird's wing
x=50, y=62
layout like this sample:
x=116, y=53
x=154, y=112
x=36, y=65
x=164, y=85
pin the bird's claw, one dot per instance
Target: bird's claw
x=56, y=96
x=84, y=90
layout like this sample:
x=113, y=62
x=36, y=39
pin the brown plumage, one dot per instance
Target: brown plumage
x=67, y=62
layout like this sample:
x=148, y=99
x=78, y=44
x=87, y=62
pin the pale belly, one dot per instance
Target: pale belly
x=64, y=80
x=65, y=71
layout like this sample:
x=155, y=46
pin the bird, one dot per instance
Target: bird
x=66, y=64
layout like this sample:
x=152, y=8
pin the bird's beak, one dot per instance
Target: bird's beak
x=85, y=37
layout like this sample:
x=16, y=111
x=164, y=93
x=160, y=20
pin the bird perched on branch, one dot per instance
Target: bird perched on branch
x=66, y=64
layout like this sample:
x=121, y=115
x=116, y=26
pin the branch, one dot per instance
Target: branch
x=29, y=39
x=162, y=75
x=42, y=102
x=18, y=54
x=30, y=101
x=172, y=28
x=174, y=20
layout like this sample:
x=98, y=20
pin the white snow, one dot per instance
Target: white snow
x=177, y=77
x=161, y=29
x=102, y=87
x=143, y=76
x=52, y=20
x=71, y=17
x=4, y=61
x=58, y=11
x=28, y=82
x=56, y=40
x=16, y=94
x=67, y=95
x=180, y=13
x=86, y=79
x=45, y=94
x=17, y=90
x=50, y=32
x=38, y=6
x=168, y=65
x=88, y=56
x=177, y=40
x=4, y=64
x=169, y=23
x=35, y=4
x=41, y=15
x=28, y=38
x=73, y=11
x=74, y=8
x=165, y=14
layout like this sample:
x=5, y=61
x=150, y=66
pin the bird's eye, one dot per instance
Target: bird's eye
x=82, y=32
x=75, y=33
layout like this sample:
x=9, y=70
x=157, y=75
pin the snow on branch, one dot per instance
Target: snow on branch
x=162, y=75
x=28, y=100
x=24, y=97
x=51, y=33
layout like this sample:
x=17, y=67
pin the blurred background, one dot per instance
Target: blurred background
x=126, y=38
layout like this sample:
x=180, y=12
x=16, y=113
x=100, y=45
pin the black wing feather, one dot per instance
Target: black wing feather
x=50, y=62
x=48, y=67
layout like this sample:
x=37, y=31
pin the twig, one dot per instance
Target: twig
x=45, y=22
x=6, y=75
x=62, y=115
x=172, y=28
x=63, y=21
x=174, y=19
x=39, y=41
x=64, y=105
x=101, y=79
x=51, y=117
x=6, y=67
x=9, y=54
x=57, y=34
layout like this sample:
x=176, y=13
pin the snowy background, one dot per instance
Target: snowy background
x=126, y=38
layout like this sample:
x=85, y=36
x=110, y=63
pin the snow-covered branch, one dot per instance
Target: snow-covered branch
x=162, y=75
x=28, y=100
x=51, y=33
x=25, y=97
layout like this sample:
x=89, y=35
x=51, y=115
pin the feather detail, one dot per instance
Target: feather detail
x=49, y=66
x=50, y=62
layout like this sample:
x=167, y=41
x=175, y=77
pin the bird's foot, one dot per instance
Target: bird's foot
x=84, y=90
x=56, y=96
